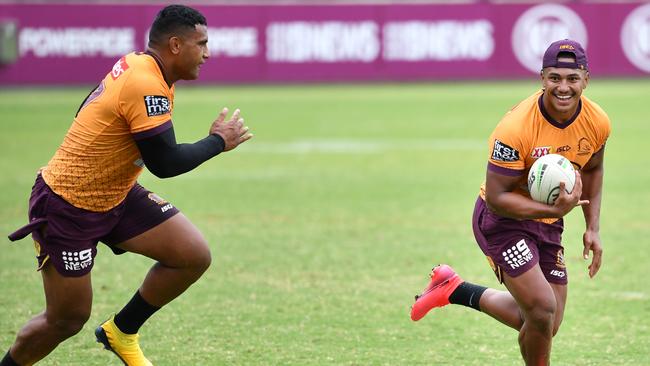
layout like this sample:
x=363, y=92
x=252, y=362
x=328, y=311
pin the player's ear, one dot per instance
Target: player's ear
x=586, y=80
x=174, y=45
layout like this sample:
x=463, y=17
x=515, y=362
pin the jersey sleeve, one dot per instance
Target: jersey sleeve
x=507, y=150
x=605, y=128
x=145, y=104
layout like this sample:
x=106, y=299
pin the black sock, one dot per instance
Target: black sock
x=8, y=361
x=134, y=314
x=467, y=294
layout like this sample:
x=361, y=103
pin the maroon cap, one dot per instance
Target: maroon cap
x=565, y=46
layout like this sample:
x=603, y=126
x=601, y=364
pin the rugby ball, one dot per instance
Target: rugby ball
x=545, y=176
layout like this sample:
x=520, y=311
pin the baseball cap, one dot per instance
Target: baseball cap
x=565, y=46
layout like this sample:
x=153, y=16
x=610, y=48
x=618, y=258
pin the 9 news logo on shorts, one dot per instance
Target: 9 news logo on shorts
x=76, y=261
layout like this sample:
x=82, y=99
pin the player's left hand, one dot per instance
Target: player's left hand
x=233, y=132
x=591, y=241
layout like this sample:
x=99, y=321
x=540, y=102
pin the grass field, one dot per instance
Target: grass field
x=325, y=225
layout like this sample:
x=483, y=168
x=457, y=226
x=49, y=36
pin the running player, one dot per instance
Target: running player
x=521, y=237
x=88, y=193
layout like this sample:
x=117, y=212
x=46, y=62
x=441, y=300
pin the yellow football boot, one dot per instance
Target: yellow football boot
x=125, y=346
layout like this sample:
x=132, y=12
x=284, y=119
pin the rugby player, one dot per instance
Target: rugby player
x=88, y=193
x=521, y=238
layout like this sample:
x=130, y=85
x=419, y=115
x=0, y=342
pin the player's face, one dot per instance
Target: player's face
x=562, y=90
x=194, y=52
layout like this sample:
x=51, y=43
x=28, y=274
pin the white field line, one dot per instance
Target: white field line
x=631, y=295
x=352, y=146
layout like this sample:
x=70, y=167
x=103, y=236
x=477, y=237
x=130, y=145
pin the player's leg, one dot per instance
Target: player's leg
x=446, y=287
x=560, y=298
x=65, y=242
x=538, y=305
x=502, y=306
x=552, y=265
x=68, y=302
x=182, y=256
x=152, y=227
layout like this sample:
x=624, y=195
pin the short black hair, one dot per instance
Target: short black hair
x=172, y=19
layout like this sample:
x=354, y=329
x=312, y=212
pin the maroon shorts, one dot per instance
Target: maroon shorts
x=67, y=236
x=515, y=246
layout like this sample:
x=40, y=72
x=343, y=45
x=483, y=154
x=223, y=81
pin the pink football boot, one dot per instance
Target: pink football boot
x=443, y=282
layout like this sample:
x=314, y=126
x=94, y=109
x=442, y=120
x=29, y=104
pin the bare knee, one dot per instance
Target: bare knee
x=556, y=324
x=68, y=324
x=197, y=257
x=202, y=257
x=540, y=314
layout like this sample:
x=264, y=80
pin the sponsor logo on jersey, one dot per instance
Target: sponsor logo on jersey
x=540, y=151
x=156, y=105
x=518, y=255
x=119, y=68
x=584, y=147
x=76, y=261
x=503, y=152
x=564, y=148
x=166, y=207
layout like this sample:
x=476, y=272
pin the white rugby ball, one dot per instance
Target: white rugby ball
x=545, y=176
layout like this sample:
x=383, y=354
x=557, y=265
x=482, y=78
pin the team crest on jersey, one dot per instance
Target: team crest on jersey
x=156, y=105
x=538, y=152
x=119, y=68
x=584, y=147
x=503, y=152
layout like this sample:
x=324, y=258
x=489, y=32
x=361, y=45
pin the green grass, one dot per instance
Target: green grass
x=325, y=225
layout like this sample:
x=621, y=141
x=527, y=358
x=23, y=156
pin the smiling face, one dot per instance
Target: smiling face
x=562, y=89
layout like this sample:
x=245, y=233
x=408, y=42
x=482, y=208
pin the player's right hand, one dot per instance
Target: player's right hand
x=565, y=202
x=233, y=132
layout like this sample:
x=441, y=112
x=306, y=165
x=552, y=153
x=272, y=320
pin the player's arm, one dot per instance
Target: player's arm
x=500, y=197
x=592, y=179
x=165, y=158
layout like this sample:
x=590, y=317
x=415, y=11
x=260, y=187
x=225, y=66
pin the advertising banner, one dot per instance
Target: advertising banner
x=77, y=44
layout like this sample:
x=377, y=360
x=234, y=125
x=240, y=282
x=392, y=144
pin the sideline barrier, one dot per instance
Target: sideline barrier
x=74, y=43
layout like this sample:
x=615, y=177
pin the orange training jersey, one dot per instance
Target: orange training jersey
x=527, y=132
x=98, y=162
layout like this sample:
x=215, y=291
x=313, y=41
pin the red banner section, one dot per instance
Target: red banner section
x=72, y=43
